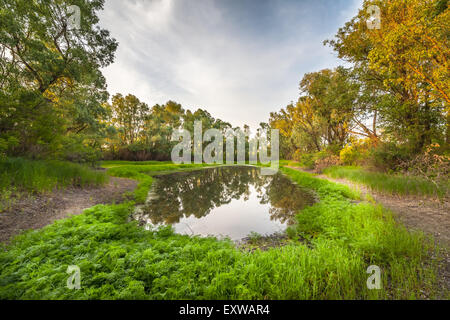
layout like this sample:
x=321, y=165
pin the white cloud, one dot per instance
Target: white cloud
x=198, y=55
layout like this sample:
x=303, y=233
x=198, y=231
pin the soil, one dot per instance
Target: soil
x=37, y=211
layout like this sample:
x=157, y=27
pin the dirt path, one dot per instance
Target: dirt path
x=38, y=211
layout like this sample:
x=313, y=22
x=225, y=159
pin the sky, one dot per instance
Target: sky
x=238, y=59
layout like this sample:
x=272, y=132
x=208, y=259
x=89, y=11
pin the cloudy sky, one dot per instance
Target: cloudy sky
x=239, y=59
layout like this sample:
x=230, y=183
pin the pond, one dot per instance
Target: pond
x=228, y=201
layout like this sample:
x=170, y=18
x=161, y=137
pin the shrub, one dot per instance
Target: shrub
x=308, y=160
x=316, y=161
x=304, y=159
x=389, y=156
x=430, y=165
x=355, y=152
x=6, y=145
x=326, y=162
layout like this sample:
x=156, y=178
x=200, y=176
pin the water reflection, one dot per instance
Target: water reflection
x=228, y=201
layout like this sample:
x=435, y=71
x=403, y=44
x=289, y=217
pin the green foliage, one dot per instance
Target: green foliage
x=119, y=163
x=332, y=95
x=41, y=176
x=77, y=148
x=404, y=67
x=307, y=160
x=145, y=133
x=332, y=106
x=128, y=116
x=120, y=260
x=51, y=81
x=389, y=156
x=356, y=152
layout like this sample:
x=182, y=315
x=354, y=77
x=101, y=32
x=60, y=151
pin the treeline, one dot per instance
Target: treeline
x=54, y=103
x=139, y=132
x=391, y=104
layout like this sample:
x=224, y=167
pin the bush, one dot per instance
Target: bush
x=304, y=159
x=430, y=165
x=389, y=156
x=316, y=161
x=76, y=149
x=323, y=163
x=7, y=144
x=308, y=160
x=355, y=153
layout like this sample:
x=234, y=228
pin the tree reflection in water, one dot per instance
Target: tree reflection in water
x=197, y=193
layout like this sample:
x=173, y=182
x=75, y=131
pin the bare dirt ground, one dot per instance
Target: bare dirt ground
x=417, y=213
x=35, y=212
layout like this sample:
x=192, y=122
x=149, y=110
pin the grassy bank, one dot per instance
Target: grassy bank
x=21, y=177
x=41, y=176
x=117, y=163
x=394, y=184
x=120, y=260
x=143, y=171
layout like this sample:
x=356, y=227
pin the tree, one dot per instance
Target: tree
x=332, y=97
x=159, y=126
x=299, y=128
x=406, y=61
x=129, y=115
x=50, y=79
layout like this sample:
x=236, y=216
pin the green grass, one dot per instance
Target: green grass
x=120, y=260
x=117, y=163
x=142, y=173
x=42, y=176
x=290, y=163
x=394, y=184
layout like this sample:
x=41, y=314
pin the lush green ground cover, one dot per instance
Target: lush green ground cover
x=395, y=184
x=331, y=247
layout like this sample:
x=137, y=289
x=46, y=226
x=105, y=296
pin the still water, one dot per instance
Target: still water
x=224, y=201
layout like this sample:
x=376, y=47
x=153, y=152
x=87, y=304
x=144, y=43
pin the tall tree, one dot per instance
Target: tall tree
x=50, y=79
x=407, y=57
x=129, y=115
